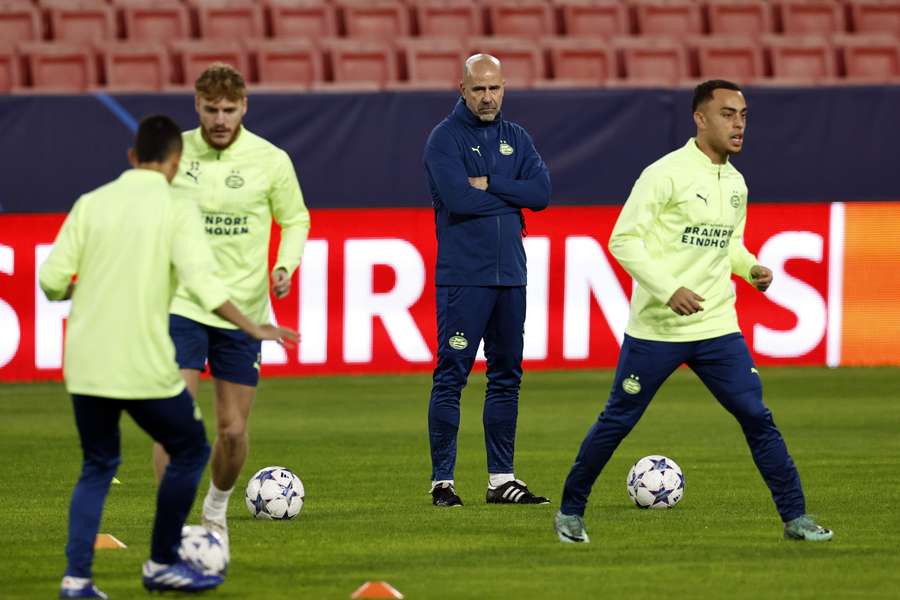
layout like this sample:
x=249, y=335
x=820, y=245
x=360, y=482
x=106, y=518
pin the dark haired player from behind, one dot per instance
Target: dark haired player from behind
x=124, y=240
x=680, y=236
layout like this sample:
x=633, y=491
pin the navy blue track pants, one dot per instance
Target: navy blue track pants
x=465, y=316
x=173, y=422
x=726, y=368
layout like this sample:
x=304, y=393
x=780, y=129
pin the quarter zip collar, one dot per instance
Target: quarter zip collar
x=462, y=112
x=703, y=160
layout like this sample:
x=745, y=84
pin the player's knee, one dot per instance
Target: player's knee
x=233, y=434
x=750, y=410
x=101, y=466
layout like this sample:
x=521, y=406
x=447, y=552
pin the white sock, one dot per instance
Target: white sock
x=434, y=484
x=498, y=479
x=74, y=583
x=152, y=567
x=215, y=505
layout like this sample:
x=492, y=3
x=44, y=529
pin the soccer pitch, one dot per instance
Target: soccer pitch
x=361, y=448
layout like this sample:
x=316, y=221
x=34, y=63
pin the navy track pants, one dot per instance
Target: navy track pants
x=726, y=368
x=465, y=316
x=173, y=422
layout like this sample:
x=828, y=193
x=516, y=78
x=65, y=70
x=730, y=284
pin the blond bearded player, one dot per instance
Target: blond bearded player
x=240, y=182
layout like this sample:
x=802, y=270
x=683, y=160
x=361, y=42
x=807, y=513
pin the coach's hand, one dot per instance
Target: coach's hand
x=281, y=283
x=284, y=336
x=479, y=183
x=762, y=277
x=685, y=302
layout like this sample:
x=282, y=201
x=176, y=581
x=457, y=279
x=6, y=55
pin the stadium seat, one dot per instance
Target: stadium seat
x=668, y=17
x=155, y=20
x=586, y=61
x=19, y=23
x=730, y=57
x=810, y=17
x=229, y=19
x=436, y=62
x=740, y=17
x=593, y=18
x=521, y=18
x=375, y=19
x=522, y=60
x=446, y=18
x=652, y=61
x=10, y=73
x=362, y=61
x=801, y=58
x=192, y=57
x=299, y=19
x=77, y=21
x=135, y=65
x=876, y=16
x=59, y=67
x=873, y=58
x=283, y=63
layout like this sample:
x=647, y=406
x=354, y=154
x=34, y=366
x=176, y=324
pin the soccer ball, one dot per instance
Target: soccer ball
x=655, y=482
x=203, y=549
x=274, y=493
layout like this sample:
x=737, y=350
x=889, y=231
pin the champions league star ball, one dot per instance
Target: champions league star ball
x=274, y=493
x=203, y=549
x=655, y=482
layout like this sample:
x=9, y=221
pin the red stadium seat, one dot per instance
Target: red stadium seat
x=653, y=61
x=522, y=60
x=81, y=21
x=135, y=66
x=593, y=18
x=668, y=17
x=375, y=19
x=434, y=61
x=10, y=73
x=587, y=61
x=19, y=23
x=801, y=58
x=229, y=19
x=155, y=20
x=443, y=18
x=740, y=17
x=59, y=67
x=192, y=57
x=521, y=18
x=811, y=17
x=362, y=61
x=873, y=58
x=299, y=19
x=876, y=16
x=283, y=63
x=728, y=57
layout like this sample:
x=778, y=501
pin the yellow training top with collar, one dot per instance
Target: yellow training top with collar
x=683, y=226
x=128, y=241
x=239, y=190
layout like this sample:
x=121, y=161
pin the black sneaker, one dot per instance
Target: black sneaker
x=514, y=492
x=443, y=494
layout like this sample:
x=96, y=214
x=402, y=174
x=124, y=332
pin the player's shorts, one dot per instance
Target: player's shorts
x=232, y=354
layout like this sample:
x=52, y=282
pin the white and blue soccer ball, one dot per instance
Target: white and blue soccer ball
x=274, y=493
x=655, y=482
x=203, y=549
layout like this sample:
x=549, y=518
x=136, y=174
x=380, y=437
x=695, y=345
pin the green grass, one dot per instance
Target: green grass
x=360, y=445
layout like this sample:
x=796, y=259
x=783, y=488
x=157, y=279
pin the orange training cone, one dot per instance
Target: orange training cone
x=376, y=589
x=108, y=541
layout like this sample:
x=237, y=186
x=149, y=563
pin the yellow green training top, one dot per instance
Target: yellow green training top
x=127, y=242
x=239, y=190
x=683, y=226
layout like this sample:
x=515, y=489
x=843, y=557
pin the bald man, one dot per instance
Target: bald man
x=482, y=172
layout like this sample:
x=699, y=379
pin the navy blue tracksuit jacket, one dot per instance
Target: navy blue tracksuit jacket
x=479, y=233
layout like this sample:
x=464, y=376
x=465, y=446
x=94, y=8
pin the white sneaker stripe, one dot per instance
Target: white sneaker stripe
x=519, y=494
x=508, y=492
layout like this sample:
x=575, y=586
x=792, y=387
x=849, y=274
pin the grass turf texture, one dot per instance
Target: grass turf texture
x=361, y=448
